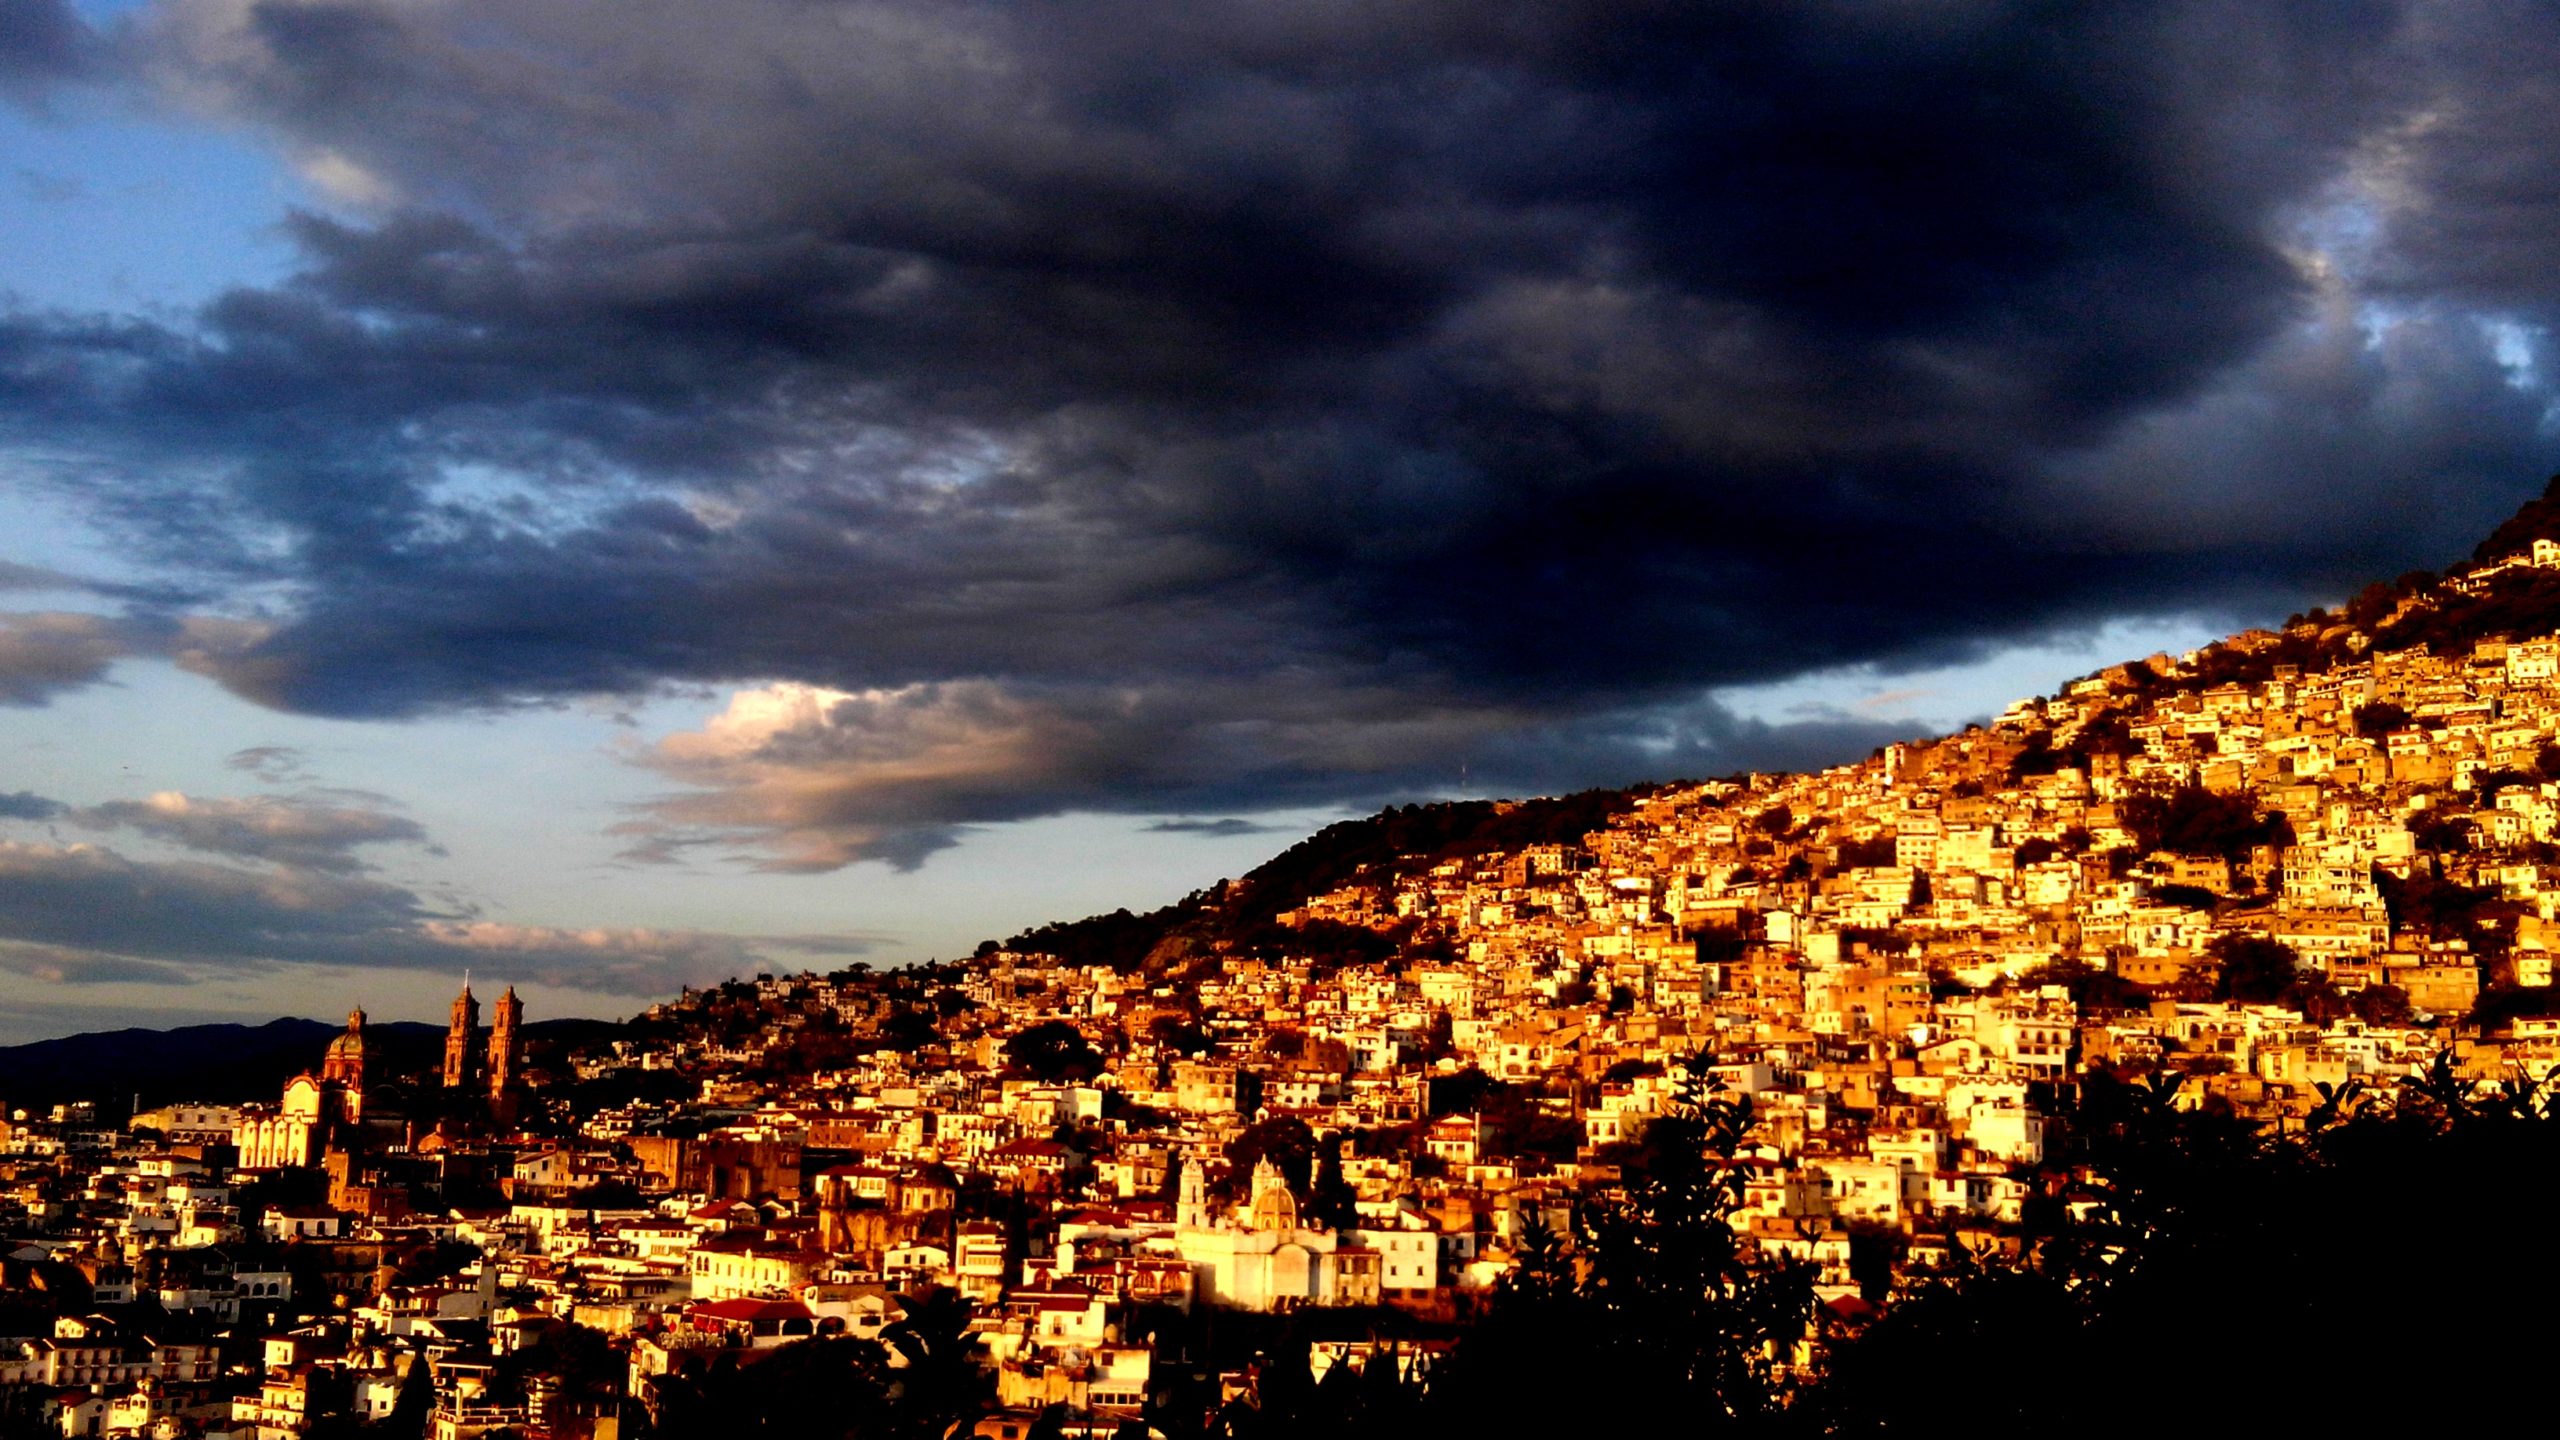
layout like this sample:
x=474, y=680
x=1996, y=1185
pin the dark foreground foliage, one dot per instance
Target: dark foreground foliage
x=2356, y=1276
x=2376, y=1270
x=837, y=1388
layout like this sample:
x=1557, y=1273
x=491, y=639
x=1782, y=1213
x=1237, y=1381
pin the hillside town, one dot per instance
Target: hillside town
x=2269, y=874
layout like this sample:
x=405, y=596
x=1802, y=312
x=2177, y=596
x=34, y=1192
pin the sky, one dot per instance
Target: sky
x=609, y=498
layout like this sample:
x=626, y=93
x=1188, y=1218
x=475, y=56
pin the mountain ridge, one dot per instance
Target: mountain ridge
x=221, y=1062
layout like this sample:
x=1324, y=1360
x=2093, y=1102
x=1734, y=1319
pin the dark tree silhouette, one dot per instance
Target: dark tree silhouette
x=1051, y=1052
x=2377, y=718
x=828, y=1389
x=1656, y=1302
x=2255, y=969
x=1285, y=1140
x=940, y=1383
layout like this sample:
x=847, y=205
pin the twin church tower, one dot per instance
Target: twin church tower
x=506, y=1048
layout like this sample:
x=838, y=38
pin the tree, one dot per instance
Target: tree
x=2090, y=987
x=941, y=1382
x=2381, y=1005
x=1331, y=1202
x=1285, y=1140
x=833, y=1388
x=2185, y=897
x=2192, y=820
x=1939, y=1328
x=1872, y=853
x=1524, y=1123
x=2377, y=718
x=1458, y=1094
x=2255, y=970
x=1118, y=940
x=2174, y=1197
x=434, y=1261
x=2441, y=834
x=2486, y=784
x=2539, y=519
x=2038, y=757
x=1180, y=1033
x=2105, y=734
x=1052, y=1052
x=415, y=1402
x=581, y=1359
x=908, y=1029
x=2428, y=903
x=1656, y=1292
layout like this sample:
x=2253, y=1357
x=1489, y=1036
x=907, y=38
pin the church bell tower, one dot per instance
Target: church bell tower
x=506, y=1047
x=460, y=1038
x=1191, y=1209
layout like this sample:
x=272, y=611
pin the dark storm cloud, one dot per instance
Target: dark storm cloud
x=1217, y=406
x=2465, y=178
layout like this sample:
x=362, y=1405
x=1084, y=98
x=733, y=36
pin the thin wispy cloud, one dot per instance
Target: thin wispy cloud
x=1210, y=829
x=85, y=914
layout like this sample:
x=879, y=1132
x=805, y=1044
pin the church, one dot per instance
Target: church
x=325, y=1108
x=505, y=1050
x=314, y=1108
x=1261, y=1258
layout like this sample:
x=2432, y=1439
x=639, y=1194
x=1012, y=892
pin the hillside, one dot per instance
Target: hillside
x=2383, y=778
x=1395, y=842
x=1797, y=840
x=2012, y=1041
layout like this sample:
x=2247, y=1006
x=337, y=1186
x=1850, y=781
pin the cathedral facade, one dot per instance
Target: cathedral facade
x=501, y=1062
x=1261, y=1258
x=314, y=1107
x=325, y=1108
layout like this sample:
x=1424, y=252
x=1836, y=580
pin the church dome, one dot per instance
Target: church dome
x=345, y=1062
x=1273, y=1207
x=348, y=1045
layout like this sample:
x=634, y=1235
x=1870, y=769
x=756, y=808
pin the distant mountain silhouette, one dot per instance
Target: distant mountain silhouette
x=221, y=1064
